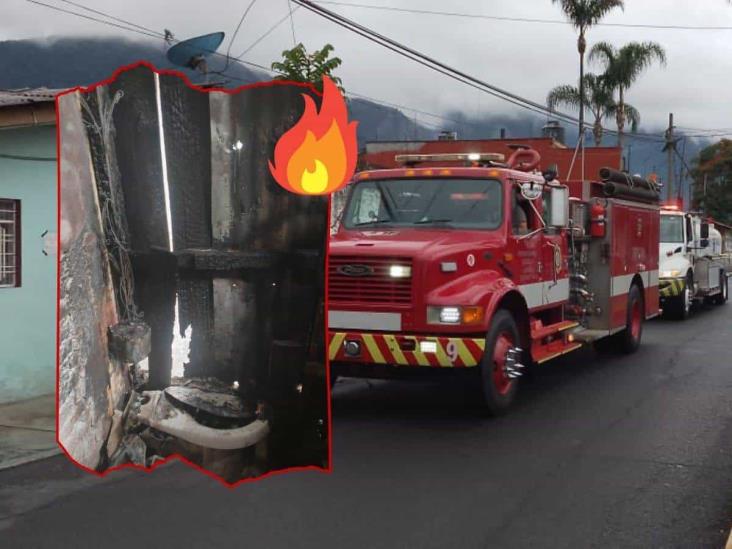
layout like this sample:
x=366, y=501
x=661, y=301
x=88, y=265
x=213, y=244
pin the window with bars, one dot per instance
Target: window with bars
x=9, y=243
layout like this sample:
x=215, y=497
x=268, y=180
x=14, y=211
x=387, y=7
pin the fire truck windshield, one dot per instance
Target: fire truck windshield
x=451, y=203
x=672, y=228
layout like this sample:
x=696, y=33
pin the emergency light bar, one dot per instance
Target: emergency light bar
x=449, y=157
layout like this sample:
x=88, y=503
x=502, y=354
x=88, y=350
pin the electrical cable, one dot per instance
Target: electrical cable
x=110, y=23
x=292, y=23
x=446, y=69
x=267, y=33
x=236, y=31
x=108, y=16
x=521, y=19
x=233, y=36
x=538, y=108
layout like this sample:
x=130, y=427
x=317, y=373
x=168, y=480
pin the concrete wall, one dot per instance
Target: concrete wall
x=28, y=313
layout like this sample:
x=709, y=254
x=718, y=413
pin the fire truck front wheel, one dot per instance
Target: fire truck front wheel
x=679, y=307
x=500, y=368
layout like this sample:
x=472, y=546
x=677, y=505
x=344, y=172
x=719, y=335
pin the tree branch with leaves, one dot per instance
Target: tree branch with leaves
x=298, y=65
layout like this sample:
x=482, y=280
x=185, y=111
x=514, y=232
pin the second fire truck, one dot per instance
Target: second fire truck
x=695, y=262
x=474, y=262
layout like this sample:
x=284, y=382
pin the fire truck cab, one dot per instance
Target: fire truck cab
x=694, y=262
x=468, y=261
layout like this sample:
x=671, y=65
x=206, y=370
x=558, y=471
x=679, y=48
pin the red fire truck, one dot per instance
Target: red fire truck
x=475, y=262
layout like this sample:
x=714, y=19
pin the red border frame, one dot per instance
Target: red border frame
x=187, y=82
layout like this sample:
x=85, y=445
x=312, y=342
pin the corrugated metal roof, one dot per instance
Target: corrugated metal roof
x=10, y=98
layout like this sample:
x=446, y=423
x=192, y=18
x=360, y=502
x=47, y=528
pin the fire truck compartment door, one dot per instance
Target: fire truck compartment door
x=358, y=320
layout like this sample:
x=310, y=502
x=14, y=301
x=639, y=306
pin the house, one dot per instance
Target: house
x=28, y=208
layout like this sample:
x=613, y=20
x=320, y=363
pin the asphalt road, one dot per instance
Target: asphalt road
x=600, y=451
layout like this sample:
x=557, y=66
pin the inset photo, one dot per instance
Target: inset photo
x=192, y=295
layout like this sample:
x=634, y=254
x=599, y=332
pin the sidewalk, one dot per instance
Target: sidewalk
x=27, y=431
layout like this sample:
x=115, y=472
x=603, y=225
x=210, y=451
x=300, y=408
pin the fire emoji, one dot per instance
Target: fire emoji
x=318, y=154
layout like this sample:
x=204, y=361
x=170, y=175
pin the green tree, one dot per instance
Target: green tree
x=623, y=67
x=598, y=98
x=300, y=66
x=712, y=173
x=584, y=14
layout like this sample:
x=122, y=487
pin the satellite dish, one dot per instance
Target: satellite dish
x=192, y=53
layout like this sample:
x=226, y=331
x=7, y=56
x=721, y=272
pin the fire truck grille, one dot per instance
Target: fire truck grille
x=367, y=279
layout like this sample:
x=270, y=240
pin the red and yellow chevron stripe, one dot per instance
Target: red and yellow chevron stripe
x=393, y=349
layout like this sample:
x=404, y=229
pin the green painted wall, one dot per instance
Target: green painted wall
x=28, y=313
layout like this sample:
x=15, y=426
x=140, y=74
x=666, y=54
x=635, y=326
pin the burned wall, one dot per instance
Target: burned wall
x=217, y=250
x=91, y=385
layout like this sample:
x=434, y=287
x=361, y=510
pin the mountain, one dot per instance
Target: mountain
x=69, y=61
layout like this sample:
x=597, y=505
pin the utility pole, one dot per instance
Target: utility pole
x=669, y=148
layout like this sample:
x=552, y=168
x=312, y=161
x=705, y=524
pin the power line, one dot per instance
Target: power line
x=444, y=68
x=369, y=98
x=521, y=19
x=429, y=62
x=236, y=31
x=267, y=33
x=541, y=110
x=241, y=20
x=110, y=23
x=108, y=16
x=292, y=23
x=261, y=67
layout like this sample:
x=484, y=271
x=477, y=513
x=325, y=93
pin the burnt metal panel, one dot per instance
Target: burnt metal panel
x=138, y=156
x=187, y=146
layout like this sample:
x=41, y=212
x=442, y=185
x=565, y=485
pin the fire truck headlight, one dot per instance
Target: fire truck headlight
x=400, y=271
x=673, y=273
x=454, y=315
x=450, y=315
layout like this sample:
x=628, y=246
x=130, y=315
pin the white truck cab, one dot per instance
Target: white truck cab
x=693, y=265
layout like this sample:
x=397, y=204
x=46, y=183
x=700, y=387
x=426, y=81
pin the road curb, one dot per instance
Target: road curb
x=35, y=456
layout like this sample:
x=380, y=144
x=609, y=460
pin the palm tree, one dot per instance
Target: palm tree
x=598, y=97
x=584, y=14
x=623, y=67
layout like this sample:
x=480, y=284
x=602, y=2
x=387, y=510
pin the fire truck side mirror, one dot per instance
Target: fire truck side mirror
x=558, y=207
x=704, y=231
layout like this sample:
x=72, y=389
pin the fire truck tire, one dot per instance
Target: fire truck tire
x=630, y=339
x=679, y=307
x=722, y=296
x=497, y=389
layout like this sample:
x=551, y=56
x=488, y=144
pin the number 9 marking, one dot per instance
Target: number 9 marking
x=452, y=351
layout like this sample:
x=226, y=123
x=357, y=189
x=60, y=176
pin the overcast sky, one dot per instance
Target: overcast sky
x=526, y=58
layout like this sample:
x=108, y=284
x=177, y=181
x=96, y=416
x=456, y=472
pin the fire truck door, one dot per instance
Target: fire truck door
x=556, y=283
x=527, y=264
